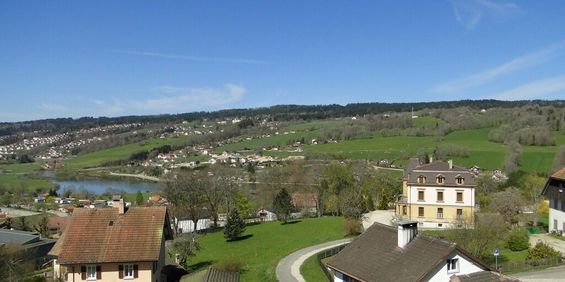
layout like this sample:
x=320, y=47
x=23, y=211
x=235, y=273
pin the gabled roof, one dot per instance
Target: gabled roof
x=554, y=187
x=17, y=237
x=104, y=235
x=375, y=256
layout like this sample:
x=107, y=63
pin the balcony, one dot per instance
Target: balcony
x=439, y=215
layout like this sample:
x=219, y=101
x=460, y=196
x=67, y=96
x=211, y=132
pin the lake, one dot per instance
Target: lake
x=100, y=186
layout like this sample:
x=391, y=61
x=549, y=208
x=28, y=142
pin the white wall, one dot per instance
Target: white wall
x=449, y=195
x=556, y=215
x=465, y=267
x=188, y=226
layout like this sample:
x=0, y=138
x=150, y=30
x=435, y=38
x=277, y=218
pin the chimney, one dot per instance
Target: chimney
x=450, y=162
x=118, y=202
x=407, y=230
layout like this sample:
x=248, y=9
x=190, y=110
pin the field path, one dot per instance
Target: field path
x=141, y=176
x=288, y=269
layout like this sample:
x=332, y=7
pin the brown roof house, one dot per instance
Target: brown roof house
x=386, y=253
x=554, y=190
x=305, y=202
x=113, y=244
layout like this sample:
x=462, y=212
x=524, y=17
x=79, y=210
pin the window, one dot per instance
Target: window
x=440, y=196
x=421, y=211
x=404, y=210
x=91, y=272
x=555, y=224
x=421, y=179
x=440, y=225
x=459, y=212
x=460, y=180
x=440, y=179
x=128, y=271
x=459, y=196
x=439, y=212
x=421, y=195
x=452, y=265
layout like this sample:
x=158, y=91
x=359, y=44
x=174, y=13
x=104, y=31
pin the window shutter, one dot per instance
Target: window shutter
x=83, y=272
x=121, y=271
x=98, y=272
x=135, y=274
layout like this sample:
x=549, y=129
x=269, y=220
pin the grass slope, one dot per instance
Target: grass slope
x=311, y=270
x=23, y=182
x=269, y=243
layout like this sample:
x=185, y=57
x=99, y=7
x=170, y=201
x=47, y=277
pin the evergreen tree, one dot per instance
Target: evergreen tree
x=139, y=198
x=235, y=225
x=283, y=206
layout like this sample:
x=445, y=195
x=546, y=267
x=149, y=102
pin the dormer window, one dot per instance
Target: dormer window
x=440, y=179
x=460, y=180
x=421, y=179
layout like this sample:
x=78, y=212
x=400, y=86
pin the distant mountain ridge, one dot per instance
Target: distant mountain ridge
x=276, y=112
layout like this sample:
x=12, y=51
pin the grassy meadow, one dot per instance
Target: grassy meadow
x=268, y=243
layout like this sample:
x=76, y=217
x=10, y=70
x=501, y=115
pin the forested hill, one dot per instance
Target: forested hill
x=278, y=112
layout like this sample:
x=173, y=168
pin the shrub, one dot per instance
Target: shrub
x=352, y=227
x=541, y=252
x=518, y=239
x=230, y=264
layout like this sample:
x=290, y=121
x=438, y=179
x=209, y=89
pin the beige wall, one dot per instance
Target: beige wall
x=110, y=272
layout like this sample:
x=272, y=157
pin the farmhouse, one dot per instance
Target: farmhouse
x=386, y=253
x=554, y=190
x=111, y=244
x=437, y=195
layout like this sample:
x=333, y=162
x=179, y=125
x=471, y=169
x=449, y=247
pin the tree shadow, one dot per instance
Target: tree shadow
x=198, y=266
x=241, y=238
x=292, y=222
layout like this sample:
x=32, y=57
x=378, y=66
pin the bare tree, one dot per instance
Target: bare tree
x=508, y=203
x=185, y=190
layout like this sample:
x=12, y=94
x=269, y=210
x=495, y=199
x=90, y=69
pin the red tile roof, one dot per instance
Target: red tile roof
x=103, y=235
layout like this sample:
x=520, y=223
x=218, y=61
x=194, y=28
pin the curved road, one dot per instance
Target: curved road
x=288, y=269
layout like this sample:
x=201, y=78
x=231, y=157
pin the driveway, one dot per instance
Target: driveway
x=553, y=242
x=380, y=216
x=553, y=274
x=288, y=269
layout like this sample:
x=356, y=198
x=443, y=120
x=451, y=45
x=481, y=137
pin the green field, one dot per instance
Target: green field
x=120, y=153
x=19, y=168
x=269, y=243
x=24, y=183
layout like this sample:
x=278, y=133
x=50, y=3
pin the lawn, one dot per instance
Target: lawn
x=268, y=243
x=311, y=270
x=19, y=168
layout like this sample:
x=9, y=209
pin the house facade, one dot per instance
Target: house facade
x=113, y=244
x=554, y=190
x=437, y=195
x=387, y=253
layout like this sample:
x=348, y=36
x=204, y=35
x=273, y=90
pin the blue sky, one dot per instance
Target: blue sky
x=112, y=58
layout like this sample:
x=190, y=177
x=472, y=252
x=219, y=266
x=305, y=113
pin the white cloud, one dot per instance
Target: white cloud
x=522, y=62
x=187, y=98
x=193, y=58
x=538, y=89
x=470, y=13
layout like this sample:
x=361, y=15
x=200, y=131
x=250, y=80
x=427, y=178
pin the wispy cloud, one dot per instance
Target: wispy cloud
x=165, y=99
x=470, y=13
x=193, y=58
x=522, y=62
x=187, y=98
x=538, y=89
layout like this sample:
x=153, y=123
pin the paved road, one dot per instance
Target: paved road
x=381, y=216
x=553, y=274
x=288, y=269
